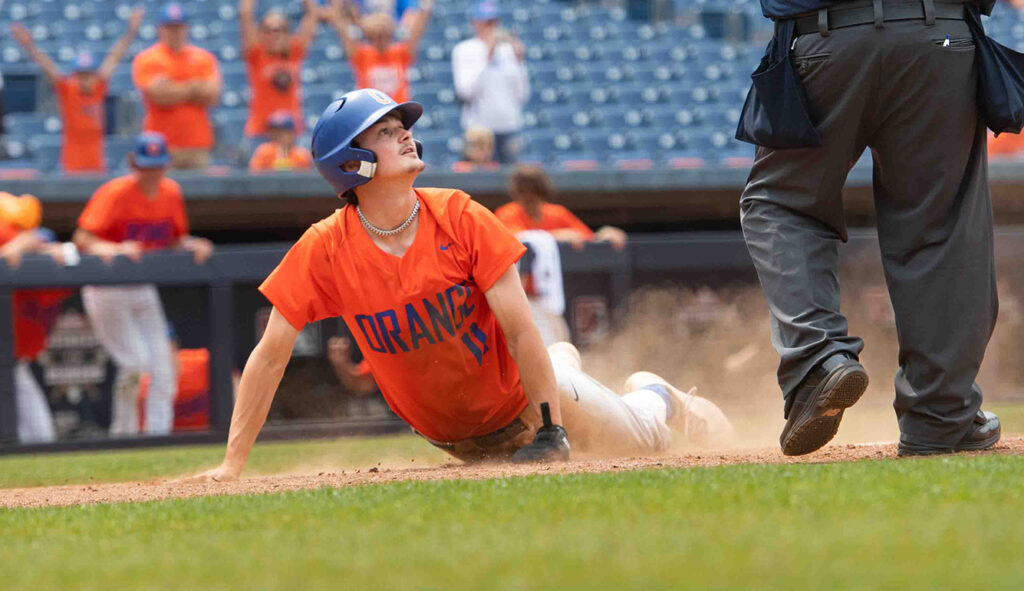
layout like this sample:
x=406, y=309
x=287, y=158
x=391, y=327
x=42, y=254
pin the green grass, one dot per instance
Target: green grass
x=940, y=523
x=266, y=458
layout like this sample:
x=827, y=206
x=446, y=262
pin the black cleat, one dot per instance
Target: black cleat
x=819, y=402
x=982, y=436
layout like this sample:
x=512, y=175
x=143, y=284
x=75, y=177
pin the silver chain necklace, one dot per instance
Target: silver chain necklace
x=393, y=231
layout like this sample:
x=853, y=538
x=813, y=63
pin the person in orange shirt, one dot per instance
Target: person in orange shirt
x=128, y=216
x=81, y=96
x=179, y=83
x=34, y=312
x=426, y=281
x=1006, y=145
x=274, y=59
x=531, y=209
x=280, y=153
x=381, y=62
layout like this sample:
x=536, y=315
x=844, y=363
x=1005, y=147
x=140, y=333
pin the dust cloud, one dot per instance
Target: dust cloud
x=717, y=340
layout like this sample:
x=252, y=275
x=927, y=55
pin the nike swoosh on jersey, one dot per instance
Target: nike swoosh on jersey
x=445, y=246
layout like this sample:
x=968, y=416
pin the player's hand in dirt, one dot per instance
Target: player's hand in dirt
x=221, y=473
x=550, y=445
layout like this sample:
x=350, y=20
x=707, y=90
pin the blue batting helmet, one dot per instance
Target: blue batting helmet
x=341, y=122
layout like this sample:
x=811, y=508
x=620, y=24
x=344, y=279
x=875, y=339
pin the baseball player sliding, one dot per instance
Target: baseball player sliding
x=426, y=281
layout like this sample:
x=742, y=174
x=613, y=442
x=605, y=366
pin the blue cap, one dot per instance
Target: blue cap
x=151, y=150
x=488, y=10
x=84, y=62
x=281, y=119
x=173, y=14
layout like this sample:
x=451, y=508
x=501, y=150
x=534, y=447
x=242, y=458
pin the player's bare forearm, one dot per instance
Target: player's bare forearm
x=167, y=93
x=247, y=22
x=119, y=49
x=260, y=378
x=307, y=26
x=512, y=310
x=205, y=92
x=24, y=38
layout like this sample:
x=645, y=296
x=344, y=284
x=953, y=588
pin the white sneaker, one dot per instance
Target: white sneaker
x=700, y=420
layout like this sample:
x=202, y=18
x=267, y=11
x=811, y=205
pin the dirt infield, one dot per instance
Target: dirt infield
x=169, y=489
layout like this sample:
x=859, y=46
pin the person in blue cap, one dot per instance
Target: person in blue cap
x=179, y=82
x=81, y=96
x=280, y=153
x=491, y=80
x=129, y=216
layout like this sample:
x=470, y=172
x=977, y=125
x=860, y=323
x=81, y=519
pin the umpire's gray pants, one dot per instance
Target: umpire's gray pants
x=901, y=92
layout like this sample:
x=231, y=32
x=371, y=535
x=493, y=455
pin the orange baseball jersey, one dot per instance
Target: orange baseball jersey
x=185, y=125
x=120, y=211
x=270, y=157
x=552, y=217
x=84, y=116
x=35, y=310
x=192, y=401
x=421, y=320
x=267, y=72
x=386, y=71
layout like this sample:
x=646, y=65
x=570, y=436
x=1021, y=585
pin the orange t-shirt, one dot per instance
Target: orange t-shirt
x=552, y=217
x=264, y=67
x=192, y=401
x=269, y=157
x=432, y=342
x=120, y=211
x=35, y=310
x=1007, y=144
x=386, y=71
x=185, y=125
x=84, y=124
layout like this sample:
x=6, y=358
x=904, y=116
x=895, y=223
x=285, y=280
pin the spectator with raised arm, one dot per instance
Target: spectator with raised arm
x=280, y=153
x=380, y=61
x=273, y=58
x=179, y=83
x=81, y=96
x=491, y=80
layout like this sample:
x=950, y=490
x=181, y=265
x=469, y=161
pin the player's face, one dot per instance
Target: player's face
x=282, y=137
x=486, y=29
x=275, y=32
x=174, y=36
x=86, y=81
x=393, y=145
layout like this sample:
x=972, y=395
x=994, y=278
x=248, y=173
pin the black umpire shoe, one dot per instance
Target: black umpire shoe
x=985, y=432
x=818, y=403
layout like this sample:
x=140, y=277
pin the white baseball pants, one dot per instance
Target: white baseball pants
x=35, y=422
x=600, y=421
x=129, y=321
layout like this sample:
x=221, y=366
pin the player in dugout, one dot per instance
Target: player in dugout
x=426, y=281
x=81, y=96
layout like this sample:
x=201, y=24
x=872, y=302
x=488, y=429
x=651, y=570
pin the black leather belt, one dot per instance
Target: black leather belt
x=876, y=12
x=492, y=439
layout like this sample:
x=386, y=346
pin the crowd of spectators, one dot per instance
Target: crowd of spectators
x=179, y=83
